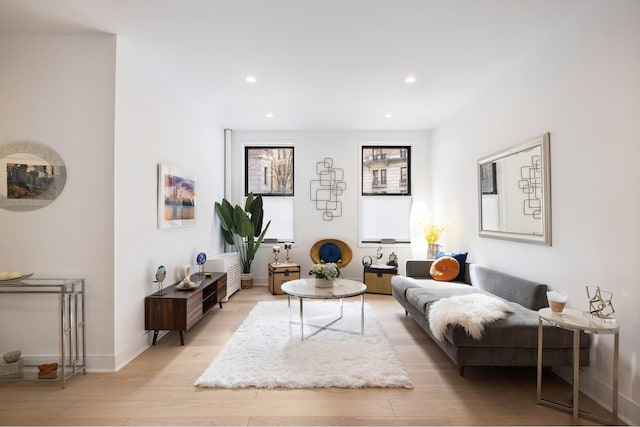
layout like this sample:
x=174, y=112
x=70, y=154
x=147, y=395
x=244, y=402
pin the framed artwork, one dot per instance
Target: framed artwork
x=176, y=197
x=32, y=175
x=386, y=170
x=268, y=171
x=488, y=178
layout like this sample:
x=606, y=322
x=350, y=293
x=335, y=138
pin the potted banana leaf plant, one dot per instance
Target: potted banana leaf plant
x=242, y=229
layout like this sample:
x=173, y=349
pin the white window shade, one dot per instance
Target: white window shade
x=280, y=211
x=385, y=217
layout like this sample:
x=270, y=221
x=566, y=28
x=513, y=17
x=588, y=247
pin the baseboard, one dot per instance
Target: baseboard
x=135, y=348
x=628, y=410
x=95, y=362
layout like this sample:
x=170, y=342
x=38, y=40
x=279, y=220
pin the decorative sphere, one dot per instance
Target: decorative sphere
x=161, y=273
x=201, y=258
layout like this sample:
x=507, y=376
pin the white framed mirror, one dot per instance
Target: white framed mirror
x=32, y=175
x=514, y=193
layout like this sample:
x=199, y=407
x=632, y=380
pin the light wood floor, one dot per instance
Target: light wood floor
x=157, y=387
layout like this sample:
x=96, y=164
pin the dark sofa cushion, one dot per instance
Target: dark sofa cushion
x=518, y=330
x=529, y=294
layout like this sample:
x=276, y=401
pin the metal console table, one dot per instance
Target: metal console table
x=577, y=321
x=70, y=293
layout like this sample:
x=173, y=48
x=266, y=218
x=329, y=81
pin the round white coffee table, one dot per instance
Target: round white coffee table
x=342, y=288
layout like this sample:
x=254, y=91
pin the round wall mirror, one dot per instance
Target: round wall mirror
x=32, y=175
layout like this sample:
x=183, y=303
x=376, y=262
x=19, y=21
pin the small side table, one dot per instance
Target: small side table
x=378, y=278
x=578, y=321
x=280, y=273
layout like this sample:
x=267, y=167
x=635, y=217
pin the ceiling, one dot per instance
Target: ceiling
x=319, y=64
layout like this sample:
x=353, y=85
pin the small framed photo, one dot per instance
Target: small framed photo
x=176, y=197
x=268, y=171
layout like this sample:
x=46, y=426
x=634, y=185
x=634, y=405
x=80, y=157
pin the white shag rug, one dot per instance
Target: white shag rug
x=471, y=311
x=266, y=351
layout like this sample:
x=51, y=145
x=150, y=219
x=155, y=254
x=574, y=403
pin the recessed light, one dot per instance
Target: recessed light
x=410, y=79
x=388, y=116
x=269, y=115
x=251, y=79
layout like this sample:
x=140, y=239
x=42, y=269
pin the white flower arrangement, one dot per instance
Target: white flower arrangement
x=328, y=271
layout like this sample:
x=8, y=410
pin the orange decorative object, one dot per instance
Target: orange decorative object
x=445, y=269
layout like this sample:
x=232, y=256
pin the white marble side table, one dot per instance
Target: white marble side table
x=579, y=321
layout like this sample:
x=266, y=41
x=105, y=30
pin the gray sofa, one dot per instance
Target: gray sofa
x=511, y=341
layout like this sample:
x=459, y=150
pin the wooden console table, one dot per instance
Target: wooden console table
x=178, y=310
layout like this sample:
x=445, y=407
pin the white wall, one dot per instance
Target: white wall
x=65, y=91
x=159, y=119
x=344, y=148
x=583, y=88
x=59, y=91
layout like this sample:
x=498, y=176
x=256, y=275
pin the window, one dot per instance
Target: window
x=386, y=170
x=280, y=211
x=385, y=201
x=268, y=171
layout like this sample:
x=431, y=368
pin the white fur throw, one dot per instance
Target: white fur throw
x=470, y=311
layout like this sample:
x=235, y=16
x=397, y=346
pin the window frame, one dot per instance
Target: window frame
x=378, y=154
x=290, y=188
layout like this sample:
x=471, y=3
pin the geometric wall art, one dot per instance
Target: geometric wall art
x=327, y=189
x=531, y=186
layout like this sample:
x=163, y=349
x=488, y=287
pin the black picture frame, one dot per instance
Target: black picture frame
x=269, y=170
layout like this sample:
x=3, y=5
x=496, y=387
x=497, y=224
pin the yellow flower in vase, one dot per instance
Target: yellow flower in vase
x=432, y=233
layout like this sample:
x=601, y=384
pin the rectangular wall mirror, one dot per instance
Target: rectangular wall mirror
x=514, y=193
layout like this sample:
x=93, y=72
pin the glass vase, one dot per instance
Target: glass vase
x=432, y=250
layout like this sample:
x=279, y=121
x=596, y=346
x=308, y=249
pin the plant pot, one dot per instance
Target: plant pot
x=324, y=283
x=246, y=280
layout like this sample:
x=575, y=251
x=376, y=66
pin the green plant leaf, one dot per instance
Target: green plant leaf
x=225, y=214
x=248, y=202
x=244, y=227
x=257, y=215
x=228, y=237
x=261, y=237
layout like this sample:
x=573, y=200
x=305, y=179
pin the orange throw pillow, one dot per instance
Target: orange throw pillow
x=445, y=269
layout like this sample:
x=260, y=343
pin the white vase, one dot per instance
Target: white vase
x=323, y=283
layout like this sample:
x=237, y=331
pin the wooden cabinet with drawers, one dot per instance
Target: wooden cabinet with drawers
x=178, y=310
